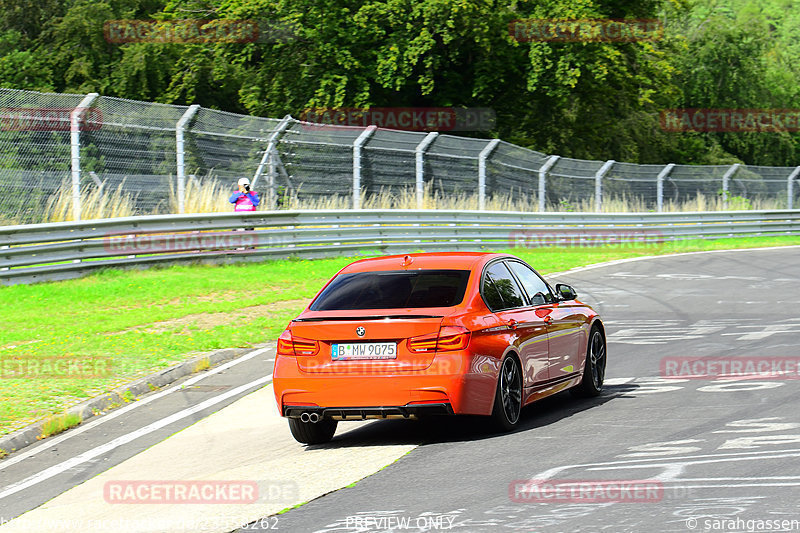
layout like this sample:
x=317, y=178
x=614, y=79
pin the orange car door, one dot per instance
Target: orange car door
x=508, y=301
x=567, y=332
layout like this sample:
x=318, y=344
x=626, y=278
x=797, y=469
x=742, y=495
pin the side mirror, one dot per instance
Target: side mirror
x=565, y=292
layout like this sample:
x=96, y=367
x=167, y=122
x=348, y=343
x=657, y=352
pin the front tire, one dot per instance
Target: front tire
x=594, y=371
x=310, y=433
x=508, y=397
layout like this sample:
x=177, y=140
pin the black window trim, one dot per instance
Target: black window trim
x=485, y=274
x=529, y=300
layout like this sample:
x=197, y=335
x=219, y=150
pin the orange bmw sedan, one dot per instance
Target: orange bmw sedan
x=436, y=333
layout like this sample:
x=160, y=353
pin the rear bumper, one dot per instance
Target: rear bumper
x=364, y=413
x=451, y=385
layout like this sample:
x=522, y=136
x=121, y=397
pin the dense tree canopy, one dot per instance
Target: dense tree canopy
x=594, y=100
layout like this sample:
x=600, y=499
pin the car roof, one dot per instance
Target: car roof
x=423, y=261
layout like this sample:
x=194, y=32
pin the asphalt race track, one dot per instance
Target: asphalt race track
x=721, y=449
x=713, y=454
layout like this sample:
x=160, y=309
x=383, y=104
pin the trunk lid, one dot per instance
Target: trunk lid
x=380, y=332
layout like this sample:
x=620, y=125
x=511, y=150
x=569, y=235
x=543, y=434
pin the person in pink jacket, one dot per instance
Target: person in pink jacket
x=244, y=199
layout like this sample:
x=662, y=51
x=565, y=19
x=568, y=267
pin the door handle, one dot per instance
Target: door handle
x=548, y=320
x=512, y=324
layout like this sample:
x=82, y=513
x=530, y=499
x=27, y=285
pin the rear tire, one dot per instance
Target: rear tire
x=594, y=371
x=309, y=433
x=508, y=397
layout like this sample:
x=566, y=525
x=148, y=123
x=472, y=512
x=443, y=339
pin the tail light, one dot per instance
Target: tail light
x=449, y=338
x=289, y=345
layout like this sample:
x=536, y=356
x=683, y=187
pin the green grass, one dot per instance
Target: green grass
x=58, y=423
x=144, y=321
x=287, y=509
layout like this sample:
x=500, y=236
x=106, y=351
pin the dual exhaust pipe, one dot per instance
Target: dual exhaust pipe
x=309, y=417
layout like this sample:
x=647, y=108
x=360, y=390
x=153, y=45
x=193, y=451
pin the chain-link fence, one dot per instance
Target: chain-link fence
x=68, y=157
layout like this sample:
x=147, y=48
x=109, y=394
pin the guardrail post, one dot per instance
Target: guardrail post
x=598, y=184
x=359, y=142
x=180, y=160
x=790, y=188
x=543, y=179
x=725, y=180
x=268, y=160
x=660, y=185
x=419, y=156
x=75, y=118
x=487, y=150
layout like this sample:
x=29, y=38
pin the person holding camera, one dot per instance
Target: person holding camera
x=244, y=199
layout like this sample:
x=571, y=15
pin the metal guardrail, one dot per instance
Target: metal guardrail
x=44, y=252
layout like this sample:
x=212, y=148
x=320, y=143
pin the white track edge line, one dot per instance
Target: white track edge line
x=125, y=439
x=49, y=443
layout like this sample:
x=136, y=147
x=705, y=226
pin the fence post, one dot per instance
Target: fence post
x=359, y=142
x=419, y=153
x=543, y=179
x=75, y=118
x=268, y=160
x=725, y=180
x=180, y=153
x=790, y=188
x=487, y=150
x=598, y=184
x=660, y=186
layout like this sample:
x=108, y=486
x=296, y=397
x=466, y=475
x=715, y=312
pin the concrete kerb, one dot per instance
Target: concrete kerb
x=17, y=440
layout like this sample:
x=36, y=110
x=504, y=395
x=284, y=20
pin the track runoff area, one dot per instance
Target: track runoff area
x=698, y=430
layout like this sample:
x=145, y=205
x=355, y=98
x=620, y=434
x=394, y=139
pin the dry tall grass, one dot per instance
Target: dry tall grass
x=95, y=203
x=406, y=198
x=432, y=199
x=12, y=218
x=701, y=202
x=211, y=196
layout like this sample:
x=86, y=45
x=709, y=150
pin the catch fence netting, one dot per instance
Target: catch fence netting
x=68, y=155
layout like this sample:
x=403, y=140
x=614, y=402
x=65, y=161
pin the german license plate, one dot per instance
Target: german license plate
x=363, y=350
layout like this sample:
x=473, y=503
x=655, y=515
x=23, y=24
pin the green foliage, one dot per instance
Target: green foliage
x=594, y=100
x=735, y=58
x=735, y=203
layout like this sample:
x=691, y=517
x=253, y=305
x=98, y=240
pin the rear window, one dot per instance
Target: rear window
x=393, y=290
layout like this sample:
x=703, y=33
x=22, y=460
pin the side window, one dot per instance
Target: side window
x=500, y=289
x=536, y=288
x=491, y=295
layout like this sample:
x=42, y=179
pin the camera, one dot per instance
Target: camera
x=247, y=188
